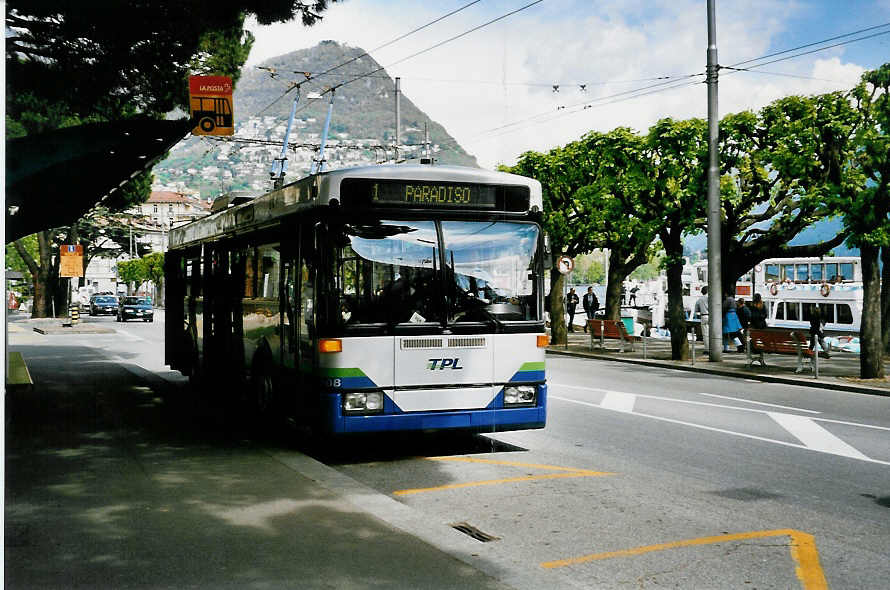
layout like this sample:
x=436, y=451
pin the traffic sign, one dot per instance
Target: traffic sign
x=565, y=265
x=71, y=260
x=210, y=100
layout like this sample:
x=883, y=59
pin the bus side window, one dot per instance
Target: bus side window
x=249, y=291
x=844, y=315
x=268, y=270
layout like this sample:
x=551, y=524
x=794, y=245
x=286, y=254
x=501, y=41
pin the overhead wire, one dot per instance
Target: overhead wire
x=655, y=88
x=309, y=76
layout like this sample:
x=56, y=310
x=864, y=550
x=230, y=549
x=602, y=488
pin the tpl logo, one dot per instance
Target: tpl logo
x=440, y=364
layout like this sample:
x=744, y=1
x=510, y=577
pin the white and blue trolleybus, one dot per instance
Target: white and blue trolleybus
x=383, y=298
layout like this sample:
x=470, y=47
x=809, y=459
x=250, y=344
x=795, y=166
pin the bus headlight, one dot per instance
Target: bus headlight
x=520, y=395
x=363, y=403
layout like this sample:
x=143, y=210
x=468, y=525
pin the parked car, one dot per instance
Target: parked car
x=103, y=304
x=135, y=307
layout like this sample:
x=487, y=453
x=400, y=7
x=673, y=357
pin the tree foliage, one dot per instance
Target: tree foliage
x=73, y=63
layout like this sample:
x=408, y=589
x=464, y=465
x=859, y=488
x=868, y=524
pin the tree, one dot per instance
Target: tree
x=133, y=272
x=679, y=152
x=862, y=197
x=561, y=173
x=777, y=166
x=72, y=63
x=619, y=183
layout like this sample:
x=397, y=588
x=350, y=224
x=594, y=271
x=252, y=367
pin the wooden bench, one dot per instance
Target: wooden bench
x=18, y=378
x=611, y=329
x=790, y=341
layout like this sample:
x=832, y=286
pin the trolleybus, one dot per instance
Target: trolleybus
x=371, y=299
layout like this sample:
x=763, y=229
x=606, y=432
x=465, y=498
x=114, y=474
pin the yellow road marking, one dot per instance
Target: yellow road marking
x=568, y=472
x=803, y=552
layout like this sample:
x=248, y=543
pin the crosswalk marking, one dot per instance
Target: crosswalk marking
x=811, y=435
x=620, y=402
x=814, y=436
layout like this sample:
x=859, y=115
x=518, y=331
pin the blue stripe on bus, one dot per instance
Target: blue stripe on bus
x=491, y=418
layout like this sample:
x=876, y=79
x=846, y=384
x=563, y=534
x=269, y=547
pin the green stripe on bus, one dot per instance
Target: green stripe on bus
x=341, y=372
x=534, y=366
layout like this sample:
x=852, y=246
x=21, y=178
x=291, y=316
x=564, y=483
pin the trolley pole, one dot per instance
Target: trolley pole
x=398, y=116
x=715, y=289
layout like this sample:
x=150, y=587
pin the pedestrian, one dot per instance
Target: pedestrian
x=731, y=324
x=623, y=294
x=743, y=310
x=758, y=312
x=700, y=312
x=633, y=295
x=572, y=301
x=590, y=304
x=817, y=332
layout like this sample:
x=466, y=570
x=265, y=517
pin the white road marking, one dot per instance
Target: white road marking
x=814, y=436
x=748, y=401
x=620, y=402
x=670, y=399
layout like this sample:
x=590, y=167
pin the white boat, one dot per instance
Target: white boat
x=791, y=289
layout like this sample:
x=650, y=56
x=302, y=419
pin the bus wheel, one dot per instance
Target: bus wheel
x=206, y=124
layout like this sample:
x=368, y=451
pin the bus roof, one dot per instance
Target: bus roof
x=324, y=189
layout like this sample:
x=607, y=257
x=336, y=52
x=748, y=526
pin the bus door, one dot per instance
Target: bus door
x=298, y=343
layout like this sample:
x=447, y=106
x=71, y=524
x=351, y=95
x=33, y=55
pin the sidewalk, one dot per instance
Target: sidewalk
x=118, y=478
x=840, y=372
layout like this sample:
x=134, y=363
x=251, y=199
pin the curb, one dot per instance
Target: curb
x=730, y=373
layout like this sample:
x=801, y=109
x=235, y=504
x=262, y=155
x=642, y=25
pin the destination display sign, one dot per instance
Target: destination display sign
x=419, y=194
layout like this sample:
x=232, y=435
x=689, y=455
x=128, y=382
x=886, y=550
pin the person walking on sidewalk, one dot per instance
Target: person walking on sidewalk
x=590, y=304
x=572, y=301
x=731, y=324
x=744, y=313
x=817, y=330
x=700, y=312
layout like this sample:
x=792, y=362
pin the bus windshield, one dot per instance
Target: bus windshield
x=490, y=265
x=389, y=272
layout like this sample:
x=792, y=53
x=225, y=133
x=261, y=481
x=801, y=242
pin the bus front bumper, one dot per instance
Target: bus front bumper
x=492, y=419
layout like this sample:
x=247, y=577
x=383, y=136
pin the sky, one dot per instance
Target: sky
x=493, y=89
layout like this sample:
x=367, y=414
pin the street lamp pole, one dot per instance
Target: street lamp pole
x=715, y=301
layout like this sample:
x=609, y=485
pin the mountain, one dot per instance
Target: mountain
x=363, y=116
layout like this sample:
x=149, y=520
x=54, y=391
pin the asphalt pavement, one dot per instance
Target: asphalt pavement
x=116, y=476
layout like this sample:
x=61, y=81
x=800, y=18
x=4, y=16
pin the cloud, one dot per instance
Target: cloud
x=502, y=76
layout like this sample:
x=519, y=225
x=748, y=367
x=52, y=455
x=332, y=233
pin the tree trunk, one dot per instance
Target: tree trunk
x=871, y=365
x=885, y=300
x=617, y=274
x=558, y=333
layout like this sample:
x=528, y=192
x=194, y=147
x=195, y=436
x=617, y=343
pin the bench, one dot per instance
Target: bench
x=18, y=378
x=611, y=329
x=790, y=341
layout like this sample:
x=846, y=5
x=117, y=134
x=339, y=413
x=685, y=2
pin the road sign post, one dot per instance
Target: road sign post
x=210, y=100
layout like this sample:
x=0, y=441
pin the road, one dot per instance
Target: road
x=643, y=478
x=666, y=462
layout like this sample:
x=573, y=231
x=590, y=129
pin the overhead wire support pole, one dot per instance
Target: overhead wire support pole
x=715, y=295
x=279, y=167
x=398, y=115
x=324, y=135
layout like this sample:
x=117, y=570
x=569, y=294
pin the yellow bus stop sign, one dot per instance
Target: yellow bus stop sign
x=210, y=100
x=71, y=260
